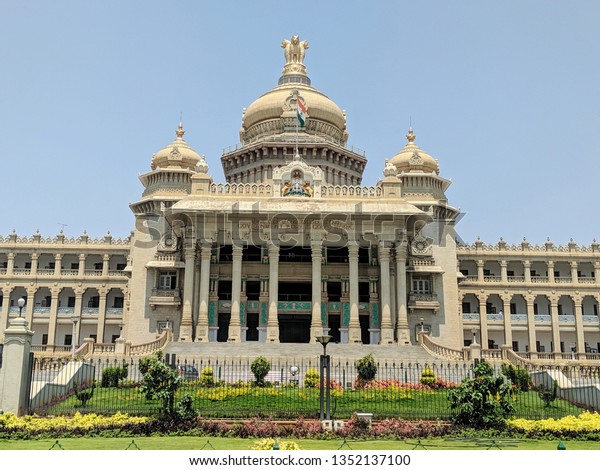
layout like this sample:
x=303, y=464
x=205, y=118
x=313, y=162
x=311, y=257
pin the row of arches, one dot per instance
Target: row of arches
x=66, y=297
x=518, y=304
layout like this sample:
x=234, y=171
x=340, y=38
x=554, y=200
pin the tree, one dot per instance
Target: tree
x=260, y=367
x=160, y=382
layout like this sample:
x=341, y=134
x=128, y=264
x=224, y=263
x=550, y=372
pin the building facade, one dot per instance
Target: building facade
x=292, y=246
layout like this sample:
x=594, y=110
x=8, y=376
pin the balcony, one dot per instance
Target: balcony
x=587, y=280
x=566, y=318
x=539, y=279
x=66, y=310
x=170, y=297
x=494, y=316
x=543, y=318
x=563, y=280
x=114, y=311
x=590, y=319
x=41, y=310
x=518, y=318
x=468, y=317
x=516, y=278
x=90, y=310
x=423, y=301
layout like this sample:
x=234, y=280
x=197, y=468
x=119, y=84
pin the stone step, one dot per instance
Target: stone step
x=396, y=353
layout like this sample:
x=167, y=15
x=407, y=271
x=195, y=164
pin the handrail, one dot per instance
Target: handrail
x=151, y=346
x=439, y=350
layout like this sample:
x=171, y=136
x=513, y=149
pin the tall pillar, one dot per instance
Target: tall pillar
x=316, y=324
x=387, y=331
x=480, y=265
x=236, y=291
x=53, y=316
x=81, y=270
x=577, y=300
x=57, y=264
x=574, y=274
x=14, y=371
x=187, y=322
x=402, y=329
x=105, y=265
x=34, y=264
x=507, y=320
x=4, y=310
x=29, y=304
x=10, y=265
x=503, y=271
x=550, y=266
x=101, y=316
x=527, y=269
x=531, y=326
x=202, y=328
x=272, y=320
x=483, y=321
x=555, y=324
x=354, y=333
x=597, y=271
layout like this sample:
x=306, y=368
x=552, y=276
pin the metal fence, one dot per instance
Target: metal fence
x=292, y=391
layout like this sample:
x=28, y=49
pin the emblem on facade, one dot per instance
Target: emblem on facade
x=416, y=159
x=297, y=186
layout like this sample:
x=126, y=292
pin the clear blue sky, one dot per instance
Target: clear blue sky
x=505, y=94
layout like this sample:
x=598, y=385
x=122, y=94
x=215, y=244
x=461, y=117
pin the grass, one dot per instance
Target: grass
x=282, y=403
x=223, y=443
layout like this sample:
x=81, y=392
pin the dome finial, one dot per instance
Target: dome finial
x=294, y=70
x=179, y=132
x=411, y=135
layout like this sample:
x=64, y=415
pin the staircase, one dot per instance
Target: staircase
x=399, y=354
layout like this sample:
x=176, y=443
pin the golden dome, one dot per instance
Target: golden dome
x=274, y=113
x=412, y=159
x=178, y=154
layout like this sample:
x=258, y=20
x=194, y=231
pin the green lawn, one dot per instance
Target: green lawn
x=222, y=443
x=289, y=403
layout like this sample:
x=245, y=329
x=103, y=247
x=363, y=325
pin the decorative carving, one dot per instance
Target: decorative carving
x=297, y=186
x=389, y=169
x=416, y=159
x=294, y=50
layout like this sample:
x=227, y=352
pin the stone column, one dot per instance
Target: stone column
x=15, y=367
x=10, y=265
x=597, y=271
x=354, y=334
x=53, y=316
x=316, y=324
x=105, y=265
x=402, y=329
x=187, y=322
x=555, y=324
x=507, y=320
x=483, y=321
x=30, y=303
x=4, y=310
x=503, y=271
x=387, y=330
x=202, y=328
x=550, y=265
x=527, y=268
x=34, y=264
x=236, y=291
x=272, y=320
x=81, y=270
x=577, y=300
x=574, y=275
x=57, y=264
x=531, y=326
x=101, y=316
x=480, y=276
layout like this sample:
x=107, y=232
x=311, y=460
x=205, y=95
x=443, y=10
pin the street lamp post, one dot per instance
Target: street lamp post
x=324, y=389
x=21, y=304
x=422, y=326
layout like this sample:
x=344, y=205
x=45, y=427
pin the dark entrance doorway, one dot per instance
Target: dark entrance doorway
x=334, y=328
x=294, y=328
x=365, y=336
x=223, y=332
x=252, y=324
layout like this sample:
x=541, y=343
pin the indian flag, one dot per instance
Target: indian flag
x=302, y=114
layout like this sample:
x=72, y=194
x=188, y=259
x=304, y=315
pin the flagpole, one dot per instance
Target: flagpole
x=296, y=129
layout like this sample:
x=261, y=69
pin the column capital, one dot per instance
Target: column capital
x=480, y=263
x=34, y=255
x=11, y=255
x=526, y=263
x=401, y=250
x=273, y=250
x=316, y=246
x=503, y=263
x=237, y=251
x=550, y=263
x=353, y=250
x=106, y=257
x=58, y=256
x=574, y=264
x=206, y=251
x=82, y=256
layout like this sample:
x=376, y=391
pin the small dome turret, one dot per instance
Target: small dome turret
x=177, y=155
x=412, y=159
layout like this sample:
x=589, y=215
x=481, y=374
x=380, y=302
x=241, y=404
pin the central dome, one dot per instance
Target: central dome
x=275, y=112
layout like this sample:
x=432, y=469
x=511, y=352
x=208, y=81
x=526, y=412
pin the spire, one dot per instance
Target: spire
x=411, y=135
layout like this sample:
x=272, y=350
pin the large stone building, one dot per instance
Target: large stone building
x=291, y=245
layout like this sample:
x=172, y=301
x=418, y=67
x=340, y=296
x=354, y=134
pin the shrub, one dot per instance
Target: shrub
x=207, y=377
x=185, y=409
x=428, y=377
x=312, y=378
x=482, y=402
x=548, y=395
x=268, y=444
x=519, y=376
x=112, y=375
x=366, y=369
x=83, y=393
x=586, y=423
x=160, y=382
x=260, y=367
